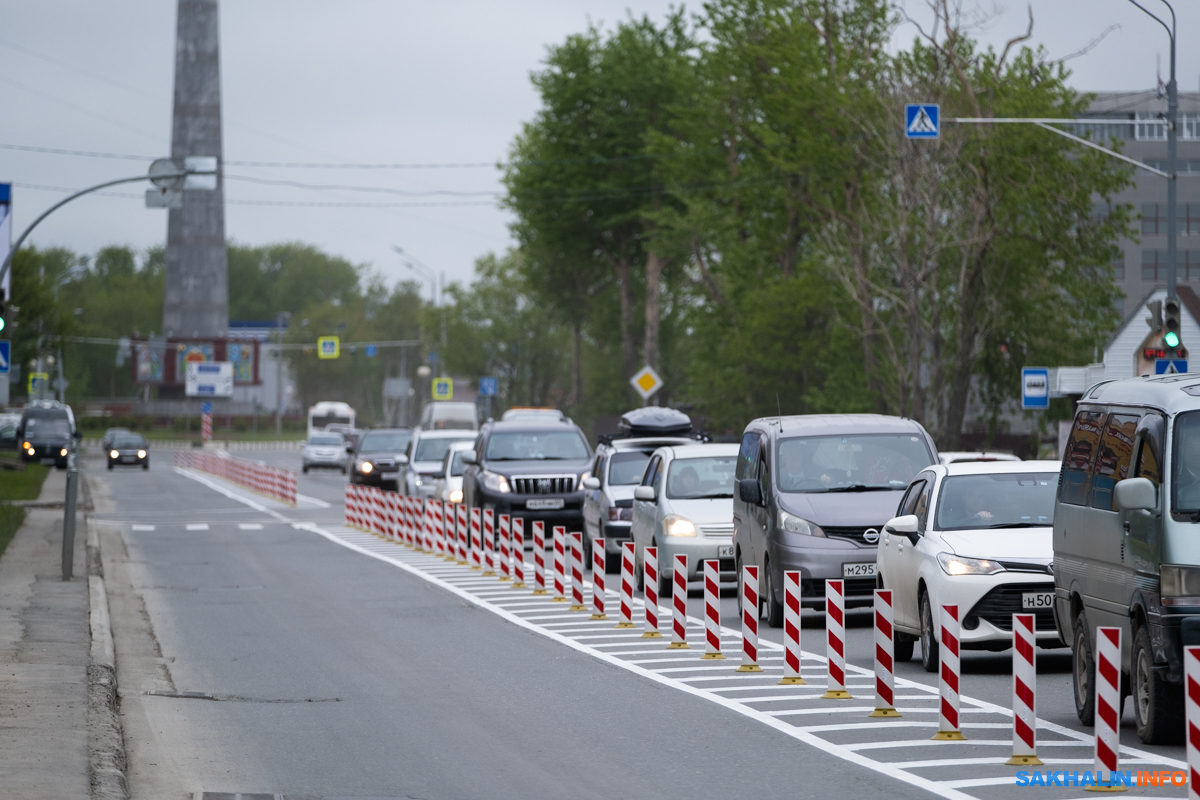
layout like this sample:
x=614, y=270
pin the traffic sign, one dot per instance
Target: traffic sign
x=922, y=120
x=209, y=379
x=370, y=350
x=1170, y=366
x=443, y=388
x=488, y=387
x=206, y=407
x=5, y=355
x=328, y=347
x=37, y=381
x=646, y=381
x=1035, y=387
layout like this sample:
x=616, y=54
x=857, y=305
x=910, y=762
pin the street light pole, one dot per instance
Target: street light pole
x=283, y=317
x=1172, y=152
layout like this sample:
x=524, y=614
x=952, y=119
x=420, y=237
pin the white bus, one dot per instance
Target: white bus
x=328, y=413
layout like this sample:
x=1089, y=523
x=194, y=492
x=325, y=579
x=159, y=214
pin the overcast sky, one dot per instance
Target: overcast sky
x=371, y=81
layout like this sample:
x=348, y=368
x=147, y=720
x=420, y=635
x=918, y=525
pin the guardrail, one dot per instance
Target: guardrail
x=274, y=482
x=189, y=444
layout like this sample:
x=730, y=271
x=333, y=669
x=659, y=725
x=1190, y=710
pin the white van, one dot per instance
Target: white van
x=1127, y=542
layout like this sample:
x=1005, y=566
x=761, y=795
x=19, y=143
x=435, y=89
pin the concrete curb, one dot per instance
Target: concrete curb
x=106, y=742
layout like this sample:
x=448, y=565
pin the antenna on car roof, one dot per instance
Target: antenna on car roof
x=779, y=412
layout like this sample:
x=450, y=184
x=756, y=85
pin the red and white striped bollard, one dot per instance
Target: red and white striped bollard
x=1108, y=703
x=598, y=560
x=835, y=640
x=489, y=541
x=1191, y=691
x=476, y=538
x=791, y=630
x=463, y=531
x=949, y=726
x=505, y=546
x=1024, y=692
x=518, y=552
x=712, y=611
x=679, y=603
x=625, y=616
x=750, y=604
x=576, y=544
x=650, y=591
x=539, y=557
x=885, y=656
x=560, y=556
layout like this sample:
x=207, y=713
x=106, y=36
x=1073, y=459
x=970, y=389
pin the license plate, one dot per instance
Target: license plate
x=725, y=551
x=549, y=504
x=858, y=570
x=47, y=461
x=128, y=459
x=1031, y=601
x=389, y=476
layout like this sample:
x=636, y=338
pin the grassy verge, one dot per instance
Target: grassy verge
x=23, y=484
x=11, y=518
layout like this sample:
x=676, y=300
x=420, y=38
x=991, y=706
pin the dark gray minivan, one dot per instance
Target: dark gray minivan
x=813, y=493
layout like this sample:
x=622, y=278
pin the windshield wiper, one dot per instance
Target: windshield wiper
x=1020, y=525
x=861, y=487
x=705, y=496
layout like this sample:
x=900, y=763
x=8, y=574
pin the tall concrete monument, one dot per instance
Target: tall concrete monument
x=196, y=300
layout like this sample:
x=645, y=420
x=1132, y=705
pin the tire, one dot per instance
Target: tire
x=665, y=587
x=145, y=465
x=1157, y=704
x=587, y=553
x=774, y=609
x=110, y=465
x=304, y=469
x=1083, y=672
x=903, y=649
x=929, y=644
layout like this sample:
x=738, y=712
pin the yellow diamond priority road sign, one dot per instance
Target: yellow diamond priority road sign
x=646, y=381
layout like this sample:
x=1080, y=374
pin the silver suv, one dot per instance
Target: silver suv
x=813, y=493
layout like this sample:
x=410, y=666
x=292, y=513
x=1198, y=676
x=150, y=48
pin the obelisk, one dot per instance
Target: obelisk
x=196, y=298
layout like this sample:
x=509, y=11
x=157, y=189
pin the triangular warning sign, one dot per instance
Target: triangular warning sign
x=922, y=123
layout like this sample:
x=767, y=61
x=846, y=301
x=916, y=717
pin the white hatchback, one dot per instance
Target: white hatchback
x=975, y=535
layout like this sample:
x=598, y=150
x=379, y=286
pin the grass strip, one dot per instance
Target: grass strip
x=11, y=518
x=25, y=484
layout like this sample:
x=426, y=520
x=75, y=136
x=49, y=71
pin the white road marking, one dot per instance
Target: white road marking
x=197, y=526
x=249, y=526
x=141, y=527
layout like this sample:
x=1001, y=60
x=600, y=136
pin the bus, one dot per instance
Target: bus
x=329, y=413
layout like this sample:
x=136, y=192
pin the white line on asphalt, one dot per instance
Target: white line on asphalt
x=197, y=526
x=974, y=743
x=310, y=501
x=216, y=487
x=249, y=526
x=141, y=527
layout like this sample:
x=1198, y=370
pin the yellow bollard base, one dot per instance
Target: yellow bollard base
x=505, y=578
x=679, y=646
x=518, y=585
x=460, y=562
x=473, y=569
x=949, y=736
x=884, y=712
x=793, y=681
x=651, y=635
x=575, y=607
x=749, y=668
x=623, y=625
x=1025, y=761
x=598, y=616
x=713, y=657
x=540, y=591
x=558, y=599
x=836, y=694
x=489, y=573
x=1105, y=787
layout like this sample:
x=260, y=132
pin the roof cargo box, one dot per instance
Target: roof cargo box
x=655, y=421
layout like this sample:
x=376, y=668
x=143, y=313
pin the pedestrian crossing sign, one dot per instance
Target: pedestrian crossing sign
x=443, y=389
x=328, y=347
x=922, y=120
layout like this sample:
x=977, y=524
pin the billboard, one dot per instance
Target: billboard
x=209, y=379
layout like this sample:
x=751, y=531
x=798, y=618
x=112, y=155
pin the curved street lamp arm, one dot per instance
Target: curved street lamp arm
x=1170, y=30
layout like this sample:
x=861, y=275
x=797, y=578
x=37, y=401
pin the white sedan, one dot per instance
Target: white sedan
x=977, y=535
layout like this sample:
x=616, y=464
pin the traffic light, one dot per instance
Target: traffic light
x=3, y=311
x=1171, y=322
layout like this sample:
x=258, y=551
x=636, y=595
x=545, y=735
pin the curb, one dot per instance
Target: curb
x=106, y=742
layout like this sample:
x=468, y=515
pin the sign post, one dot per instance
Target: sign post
x=5, y=369
x=206, y=421
x=489, y=388
x=1035, y=387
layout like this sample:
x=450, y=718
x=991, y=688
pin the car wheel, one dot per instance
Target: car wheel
x=665, y=587
x=774, y=608
x=304, y=469
x=110, y=465
x=903, y=648
x=1157, y=704
x=929, y=644
x=587, y=553
x=1083, y=672
x=145, y=465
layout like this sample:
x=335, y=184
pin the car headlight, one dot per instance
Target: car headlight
x=365, y=467
x=793, y=524
x=961, y=565
x=456, y=496
x=114, y=454
x=28, y=446
x=495, y=482
x=676, y=525
x=62, y=452
x=1180, y=586
x=141, y=453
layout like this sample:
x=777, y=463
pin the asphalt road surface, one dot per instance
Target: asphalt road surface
x=263, y=648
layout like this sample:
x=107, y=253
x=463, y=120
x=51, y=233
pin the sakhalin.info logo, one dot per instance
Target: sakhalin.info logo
x=1090, y=778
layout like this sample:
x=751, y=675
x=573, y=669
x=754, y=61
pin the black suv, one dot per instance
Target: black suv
x=376, y=459
x=47, y=433
x=531, y=470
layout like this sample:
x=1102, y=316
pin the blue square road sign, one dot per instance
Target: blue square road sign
x=5, y=356
x=1170, y=366
x=922, y=120
x=206, y=408
x=488, y=387
x=1035, y=387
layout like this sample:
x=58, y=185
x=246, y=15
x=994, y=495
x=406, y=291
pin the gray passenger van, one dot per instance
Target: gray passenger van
x=813, y=492
x=1127, y=542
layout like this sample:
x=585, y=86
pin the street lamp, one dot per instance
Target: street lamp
x=1172, y=147
x=280, y=322
x=428, y=272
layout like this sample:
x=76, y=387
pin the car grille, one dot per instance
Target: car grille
x=384, y=463
x=858, y=535
x=543, y=484
x=717, y=530
x=815, y=587
x=998, y=606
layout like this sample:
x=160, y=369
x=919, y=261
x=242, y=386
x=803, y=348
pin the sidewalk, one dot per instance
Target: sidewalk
x=44, y=656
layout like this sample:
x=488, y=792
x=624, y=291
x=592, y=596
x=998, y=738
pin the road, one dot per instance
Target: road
x=342, y=665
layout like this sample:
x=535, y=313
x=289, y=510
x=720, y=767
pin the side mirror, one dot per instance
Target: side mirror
x=906, y=525
x=78, y=435
x=750, y=492
x=402, y=459
x=592, y=484
x=469, y=457
x=1136, y=494
x=644, y=493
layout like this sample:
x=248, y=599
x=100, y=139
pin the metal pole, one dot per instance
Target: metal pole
x=404, y=394
x=62, y=393
x=68, y=541
x=1172, y=182
x=279, y=378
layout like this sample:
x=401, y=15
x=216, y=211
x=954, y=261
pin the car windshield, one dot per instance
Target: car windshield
x=127, y=441
x=385, y=441
x=858, y=462
x=998, y=500
x=42, y=426
x=536, y=446
x=626, y=469
x=326, y=441
x=456, y=463
x=711, y=476
x=434, y=449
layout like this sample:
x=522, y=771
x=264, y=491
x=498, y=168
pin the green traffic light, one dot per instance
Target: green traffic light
x=1171, y=339
x=1, y=323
